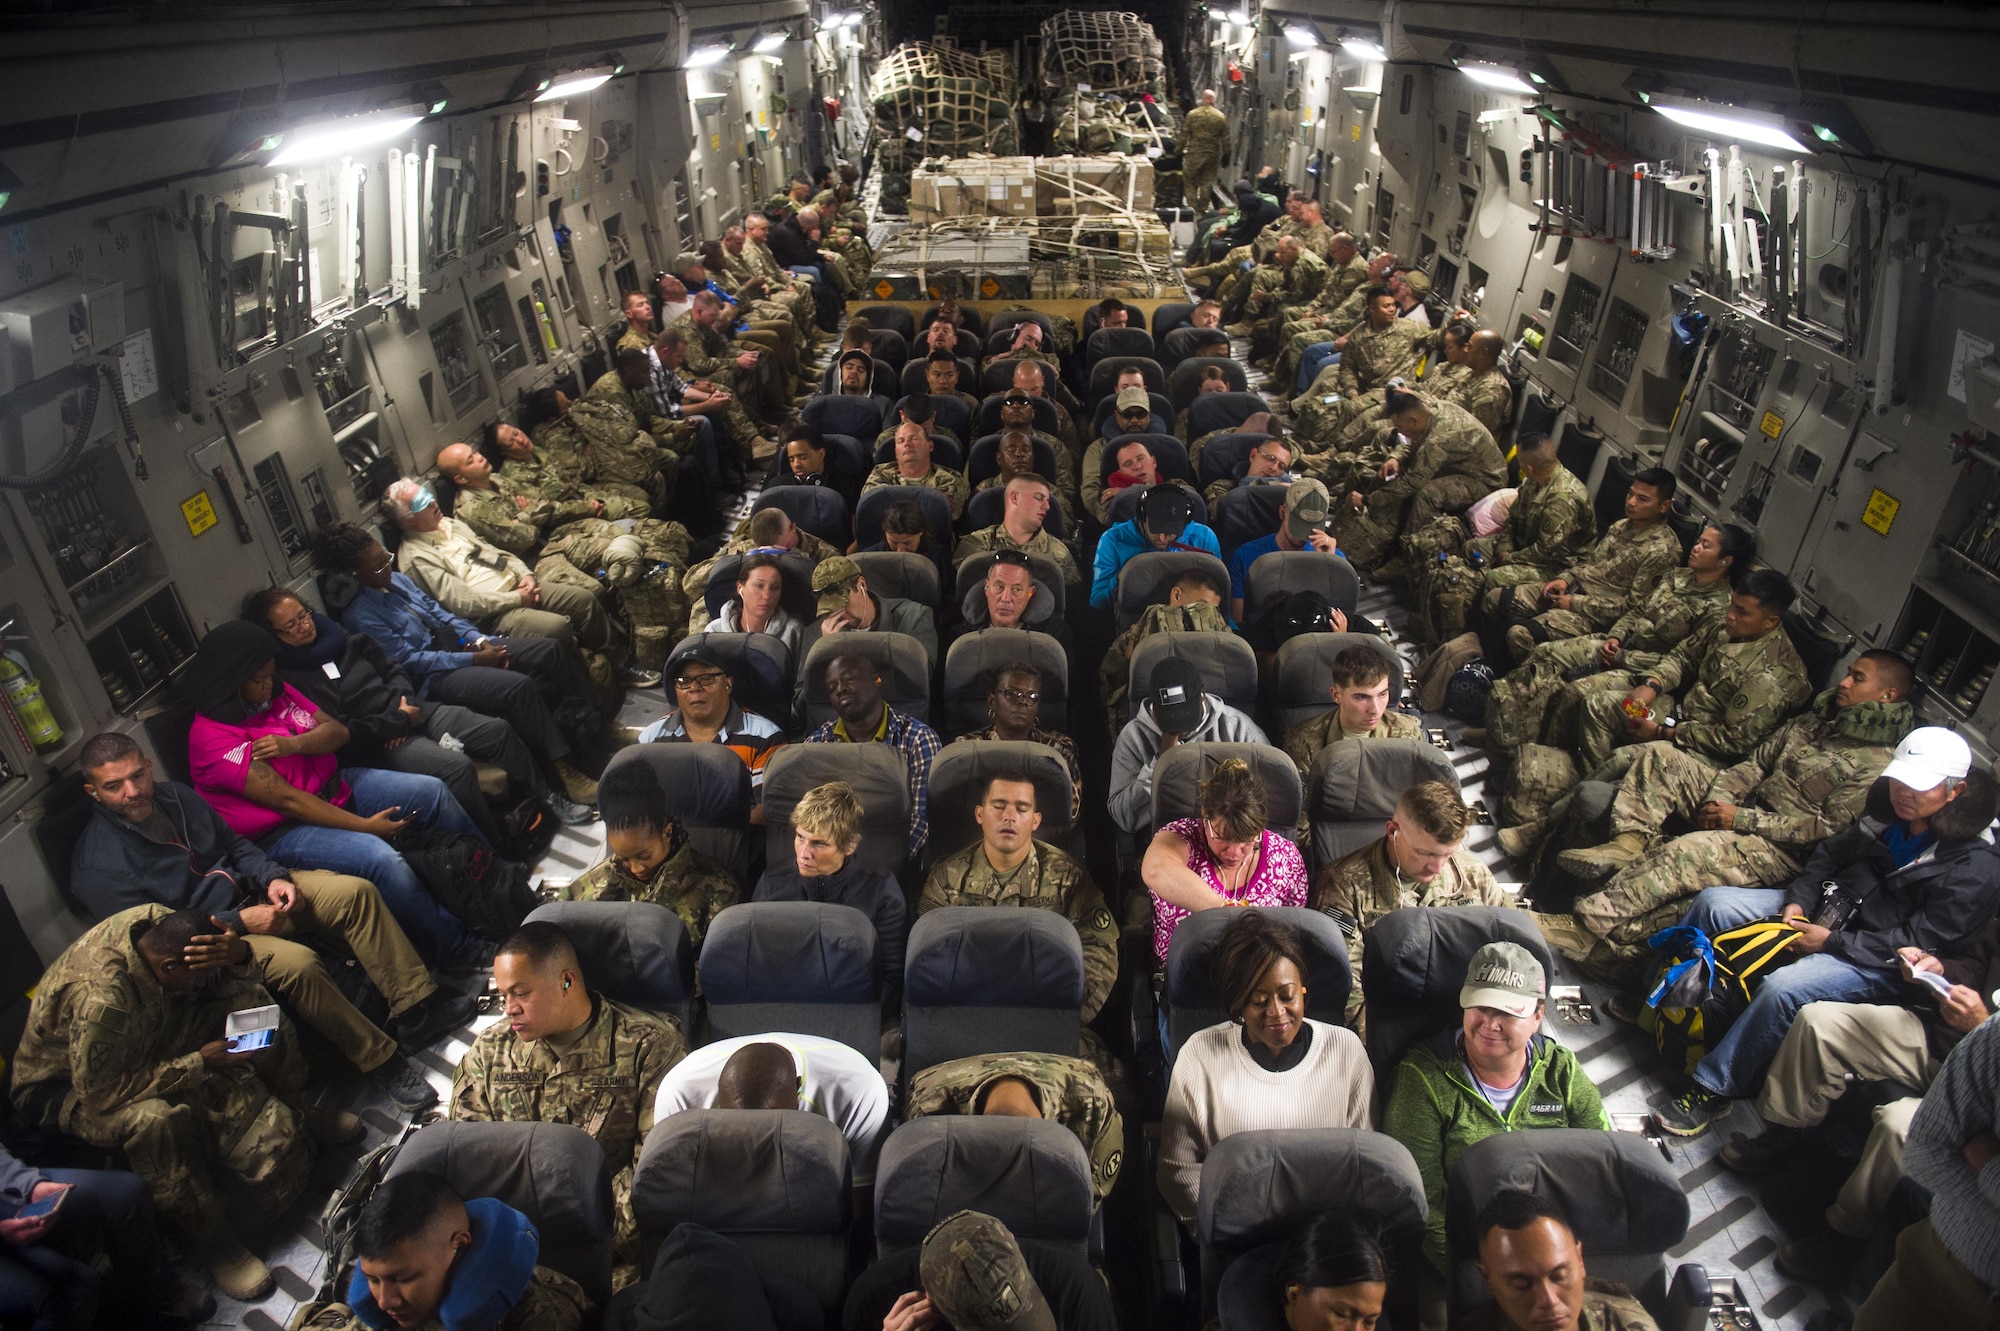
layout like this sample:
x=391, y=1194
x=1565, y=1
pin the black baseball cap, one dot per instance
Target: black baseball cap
x=1165, y=510
x=1174, y=692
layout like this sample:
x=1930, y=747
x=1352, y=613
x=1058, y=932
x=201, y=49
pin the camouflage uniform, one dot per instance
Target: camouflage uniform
x=1607, y=1306
x=632, y=337
x=1736, y=694
x=111, y=1057
x=1550, y=524
x=567, y=458
x=758, y=261
x=1362, y=887
x=1626, y=561
x=604, y=1080
x=1455, y=464
x=695, y=583
x=1049, y=879
x=943, y=479
x=1807, y=782
x=1487, y=394
x=1204, y=131
x=1328, y=318
x=687, y=882
x=1068, y=1091
x=1115, y=671
x=710, y=356
x=1304, y=740
x=550, y=1302
x=1518, y=710
x=1279, y=293
x=615, y=449
x=1065, y=748
x=541, y=483
x=988, y=539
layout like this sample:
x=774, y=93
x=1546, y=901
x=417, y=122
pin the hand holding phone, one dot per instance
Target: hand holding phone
x=251, y=1029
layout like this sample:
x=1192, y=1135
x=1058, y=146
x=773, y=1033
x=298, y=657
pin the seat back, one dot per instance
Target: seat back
x=1621, y=1198
x=988, y=419
x=1190, y=998
x=1169, y=315
x=984, y=459
x=708, y=790
x=852, y=455
x=1169, y=454
x=776, y=1182
x=891, y=316
x=1258, y=1188
x=988, y=508
x=1209, y=412
x=890, y=347
x=1104, y=373
x=990, y=980
x=1000, y=330
x=903, y=576
x=1818, y=652
x=1184, y=384
x=949, y=413
x=972, y=571
x=796, y=569
x=1415, y=960
x=1127, y=342
x=958, y=778
x=801, y=966
x=905, y=667
x=1227, y=663
x=632, y=952
x=760, y=665
x=1247, y=513
x=1146, y=578
x=552, y=1173
x=998, y=376
x=839, y=413
x=1224, y=457
x=970, y=320
x=814, y=508
x=944, y=452
x=66, y=815
x=1305, y=677
x=1354, y=785
x=1029, y=1174
x=874, y=504
x=1281, y=572
x=915, y=380
x=880, y=781
x=1178, y=775
x=974, y=660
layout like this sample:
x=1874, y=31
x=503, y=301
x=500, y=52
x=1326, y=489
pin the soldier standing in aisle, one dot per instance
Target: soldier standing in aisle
x=1204, y=131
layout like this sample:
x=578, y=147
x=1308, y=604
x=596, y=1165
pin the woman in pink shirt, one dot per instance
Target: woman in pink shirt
x=1226, y=857
x=267, y=759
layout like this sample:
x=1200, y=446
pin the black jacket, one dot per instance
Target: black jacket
x=1939, y=902
x=207, y=867
x=364, y=697
x=792, y=247
x=1252, y=217
x=873, y=892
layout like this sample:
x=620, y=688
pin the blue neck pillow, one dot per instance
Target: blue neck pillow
x=486, y=1281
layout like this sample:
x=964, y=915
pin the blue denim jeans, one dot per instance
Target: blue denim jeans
x=52, y=1286
x=1736, y=1066
x=1318, y=356
x=436, y=934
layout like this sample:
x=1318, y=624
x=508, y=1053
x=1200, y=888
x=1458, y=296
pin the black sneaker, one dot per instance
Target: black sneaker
x=1764, y=1153
x=569, y=812
x=404, y=1082
x=1622, y=1007
x=435, y=1017
x=1693, y=1111
x=1822, y=1259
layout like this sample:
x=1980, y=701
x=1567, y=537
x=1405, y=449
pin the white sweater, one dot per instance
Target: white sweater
x=1218, y=1089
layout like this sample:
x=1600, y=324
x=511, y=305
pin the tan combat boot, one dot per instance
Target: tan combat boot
x=236, y=1270
x=1596, y=863
x=575, y=784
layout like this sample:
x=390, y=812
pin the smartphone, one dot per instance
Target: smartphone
x=45, y=1206
x=251, y=1029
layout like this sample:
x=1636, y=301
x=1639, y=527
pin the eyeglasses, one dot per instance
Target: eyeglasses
x=700, y=683
x=1018, y=695
x=296, y=622
x=386, y=562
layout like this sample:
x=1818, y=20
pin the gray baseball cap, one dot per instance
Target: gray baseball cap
x=1504, y=976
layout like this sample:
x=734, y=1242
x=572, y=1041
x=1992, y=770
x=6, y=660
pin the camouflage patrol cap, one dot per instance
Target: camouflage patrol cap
x=975, y=1275
x=1418, y=281
x=833, y=580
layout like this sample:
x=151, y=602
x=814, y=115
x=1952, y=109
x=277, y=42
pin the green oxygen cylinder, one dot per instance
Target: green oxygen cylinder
x=24, y=695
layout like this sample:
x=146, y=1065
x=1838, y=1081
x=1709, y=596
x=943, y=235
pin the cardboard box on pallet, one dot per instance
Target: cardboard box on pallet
x=1068, y=186
x=973, y=187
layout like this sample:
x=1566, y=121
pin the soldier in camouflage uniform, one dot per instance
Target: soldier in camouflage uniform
x=913, y=465
x=1293, y=280
x=516, y=461
x=711, y=357
x=1068, y=1091
x=1419, y=861
x=638, y=329
x=748, y=258
x=1194, y=605
x=1593, y=592
x=566, y=453
x=1532, y=702
x=766, y=529
x=1469, y=376
x=1446, y=463
x=1550, y=524
x=1026, y=503
x=1362, y=709
x=567, y=1056
x=124, y=1049
x=1757, y=821
x=1009, y=868
x=1339, y=309
x=662, y=866
x=791, y=198
x=1204, y=131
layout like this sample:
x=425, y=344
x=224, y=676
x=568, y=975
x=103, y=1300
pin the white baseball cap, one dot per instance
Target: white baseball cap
x=1928, y=757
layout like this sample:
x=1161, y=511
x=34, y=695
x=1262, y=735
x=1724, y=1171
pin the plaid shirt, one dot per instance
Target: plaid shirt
x=918, y=744
x=665, y=388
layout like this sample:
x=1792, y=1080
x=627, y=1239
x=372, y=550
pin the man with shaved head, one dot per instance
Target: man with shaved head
x=566, y=1055
x=429, y=1258
x=783, y=1071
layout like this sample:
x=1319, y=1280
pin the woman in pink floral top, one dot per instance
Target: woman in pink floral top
x=1226, y=857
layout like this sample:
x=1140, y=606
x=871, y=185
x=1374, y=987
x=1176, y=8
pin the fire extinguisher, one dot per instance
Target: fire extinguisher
x=24, y=696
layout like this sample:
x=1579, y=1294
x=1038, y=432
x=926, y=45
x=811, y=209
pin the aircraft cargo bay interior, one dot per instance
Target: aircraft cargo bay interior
x=557, y=561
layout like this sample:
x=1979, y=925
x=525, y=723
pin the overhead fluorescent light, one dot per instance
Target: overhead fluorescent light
x=574, y=85
x=338, y=138
x=1363, y=49
x=703, y=57
x=846, y=19
x=1731, y=123
x=1493, y=76
x=770, y=42
x=1240, y=17
x=1301, y=36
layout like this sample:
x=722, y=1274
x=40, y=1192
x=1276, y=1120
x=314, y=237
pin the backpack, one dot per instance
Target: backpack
x=338, y=1221
x=1706, y=983
x=1465, y=695
x=489, y=895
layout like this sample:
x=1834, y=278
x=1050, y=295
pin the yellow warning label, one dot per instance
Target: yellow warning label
x=1773, y=424
x=1355, y=131
x=200, y=514
x=989, y=288
x=883, y=290
x=1880, y=515
x=715, y=143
